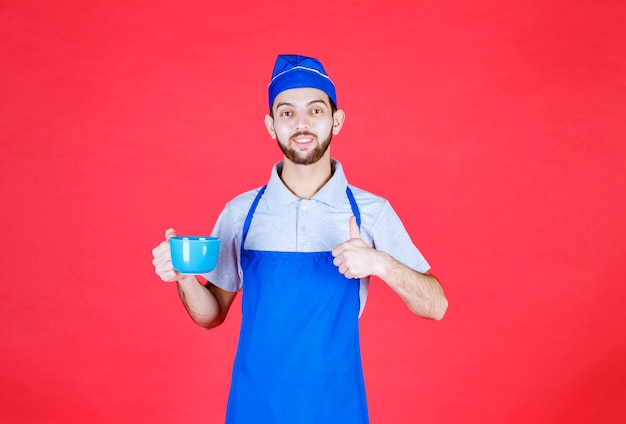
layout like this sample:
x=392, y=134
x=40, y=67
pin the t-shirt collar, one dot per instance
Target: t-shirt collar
x=332, y=193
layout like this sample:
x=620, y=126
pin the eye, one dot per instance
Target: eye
x=316, y=111
x=286, y=113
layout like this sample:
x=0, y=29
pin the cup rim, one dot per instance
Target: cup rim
x=194, y=238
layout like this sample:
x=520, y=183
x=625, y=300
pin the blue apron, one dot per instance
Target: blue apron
x=298, y=360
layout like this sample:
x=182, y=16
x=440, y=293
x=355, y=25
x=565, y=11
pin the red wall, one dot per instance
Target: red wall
x=496, y=129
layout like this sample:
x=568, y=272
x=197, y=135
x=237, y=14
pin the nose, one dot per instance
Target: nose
x=302, y=122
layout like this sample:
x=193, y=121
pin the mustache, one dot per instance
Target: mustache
x=299, y=133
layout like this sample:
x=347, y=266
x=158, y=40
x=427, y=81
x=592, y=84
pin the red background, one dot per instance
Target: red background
x=496, y=129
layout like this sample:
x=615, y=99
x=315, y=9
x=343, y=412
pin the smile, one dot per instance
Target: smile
x=303, y=138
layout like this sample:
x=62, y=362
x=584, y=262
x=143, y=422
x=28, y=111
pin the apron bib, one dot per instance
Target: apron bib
x=298, y=360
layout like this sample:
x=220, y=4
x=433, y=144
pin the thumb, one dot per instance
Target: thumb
x=169, y=233
x=354, y=228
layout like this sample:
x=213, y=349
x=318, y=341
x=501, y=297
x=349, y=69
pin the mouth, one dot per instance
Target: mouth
x=303, y=138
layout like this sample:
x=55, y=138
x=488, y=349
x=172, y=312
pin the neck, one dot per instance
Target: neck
x=306, y=180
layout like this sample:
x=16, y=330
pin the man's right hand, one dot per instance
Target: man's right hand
x=207, y=304
x=163, y=259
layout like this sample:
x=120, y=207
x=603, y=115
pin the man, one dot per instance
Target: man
x=303, y=248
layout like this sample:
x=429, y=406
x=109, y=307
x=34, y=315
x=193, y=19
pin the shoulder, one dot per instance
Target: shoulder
x=240, y=204
x=244, y=199
x=368, y=202
x=377, y=214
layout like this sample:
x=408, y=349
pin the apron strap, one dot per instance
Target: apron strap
x=246, y=224
x=355, y=207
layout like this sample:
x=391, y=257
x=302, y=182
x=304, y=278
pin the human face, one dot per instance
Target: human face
x=303, y=123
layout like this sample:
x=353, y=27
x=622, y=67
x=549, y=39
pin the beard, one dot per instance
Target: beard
x=306, y=158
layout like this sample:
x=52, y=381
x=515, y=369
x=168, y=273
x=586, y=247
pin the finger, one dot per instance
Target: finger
x=166, y=271
x=162, y=263
x=354, y=228
x=169, y=276
x=160, y=260
x=160, y=249
x=169, y=233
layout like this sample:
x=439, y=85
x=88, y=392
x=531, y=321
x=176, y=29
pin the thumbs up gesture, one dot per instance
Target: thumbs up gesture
x=355, y=233
x=354, y=258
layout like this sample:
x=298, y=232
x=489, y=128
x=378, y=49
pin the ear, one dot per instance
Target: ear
x=269, y=124
x=338, y=117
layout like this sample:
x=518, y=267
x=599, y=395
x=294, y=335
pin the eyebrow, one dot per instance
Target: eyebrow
x=308, y=104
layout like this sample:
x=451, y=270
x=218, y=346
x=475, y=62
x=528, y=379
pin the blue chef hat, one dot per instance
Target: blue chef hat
x=293, y=71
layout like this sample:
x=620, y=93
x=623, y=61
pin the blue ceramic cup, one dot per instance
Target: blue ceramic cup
x=194, y=254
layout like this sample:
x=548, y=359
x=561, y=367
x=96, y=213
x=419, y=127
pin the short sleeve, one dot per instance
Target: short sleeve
x=389, y=235
x=227, y=273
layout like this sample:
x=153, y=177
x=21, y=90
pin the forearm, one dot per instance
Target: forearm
x=201, y=304
x=420, y=291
